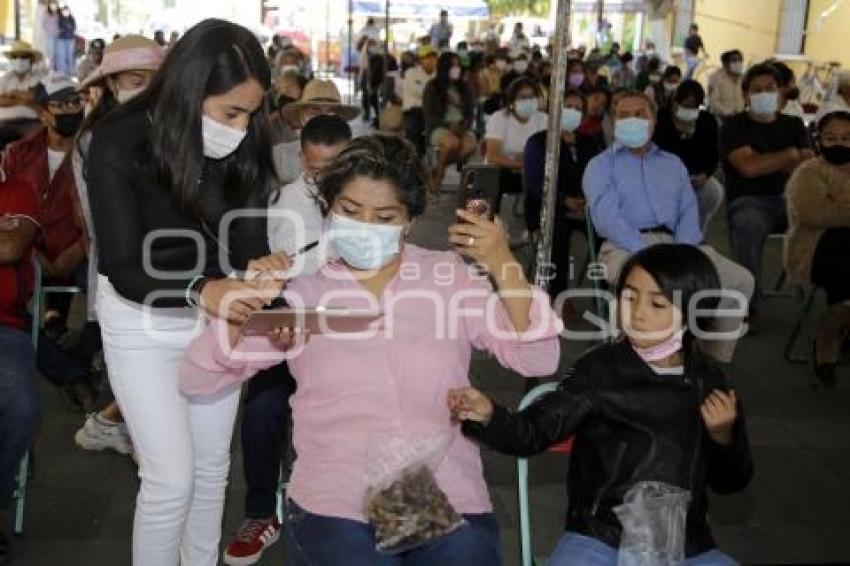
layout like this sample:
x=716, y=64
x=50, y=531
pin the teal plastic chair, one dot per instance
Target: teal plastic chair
x=526, y=554
x=39, y=292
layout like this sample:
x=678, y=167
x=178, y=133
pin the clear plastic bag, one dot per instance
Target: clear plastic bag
x=403, y=502
x=653, y=516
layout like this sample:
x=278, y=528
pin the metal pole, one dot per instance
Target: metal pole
x=553, y=145
x=387, y=33
x=17, y=20
x=350, y=54
x=327, y=35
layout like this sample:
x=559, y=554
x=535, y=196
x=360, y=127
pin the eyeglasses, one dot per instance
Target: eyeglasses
x=70, y=105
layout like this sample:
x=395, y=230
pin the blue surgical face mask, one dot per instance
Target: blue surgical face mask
x=363, y=245
x=764, y=103
x=632, y=132
x=570, y=119
x=525, y=109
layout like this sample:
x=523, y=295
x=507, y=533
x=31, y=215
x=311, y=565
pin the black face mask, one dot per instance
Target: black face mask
x=836, y=154
x=68, y=124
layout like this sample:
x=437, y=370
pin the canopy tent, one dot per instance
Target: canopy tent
x=421, y=9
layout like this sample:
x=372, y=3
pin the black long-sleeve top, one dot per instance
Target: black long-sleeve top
x=630, y=425
x=129, y=206
x=700, y=152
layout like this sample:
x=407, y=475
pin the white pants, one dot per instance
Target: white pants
x=183, y=448
x=732, y=277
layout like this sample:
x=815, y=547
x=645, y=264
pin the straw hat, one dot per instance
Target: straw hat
x=324, y=95
x=22, y=48
x=127, y=53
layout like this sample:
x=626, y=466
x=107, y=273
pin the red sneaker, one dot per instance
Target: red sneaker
x=253, y=538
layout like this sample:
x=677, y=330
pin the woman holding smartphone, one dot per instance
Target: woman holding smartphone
x=353, y=389
x=169, y=173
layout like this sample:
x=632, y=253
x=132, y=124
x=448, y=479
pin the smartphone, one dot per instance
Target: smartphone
x=479, y=190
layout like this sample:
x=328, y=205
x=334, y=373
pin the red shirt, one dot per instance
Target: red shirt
x=16, y=281
x=26, y=159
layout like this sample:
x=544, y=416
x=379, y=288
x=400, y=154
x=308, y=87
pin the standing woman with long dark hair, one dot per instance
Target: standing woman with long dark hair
x=168, y=174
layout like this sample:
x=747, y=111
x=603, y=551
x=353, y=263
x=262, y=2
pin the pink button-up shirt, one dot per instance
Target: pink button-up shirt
x=351, y=392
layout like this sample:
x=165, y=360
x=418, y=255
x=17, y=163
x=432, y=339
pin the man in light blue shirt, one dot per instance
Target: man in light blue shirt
x=441, y=32
x=639, y=195
x=634, y=192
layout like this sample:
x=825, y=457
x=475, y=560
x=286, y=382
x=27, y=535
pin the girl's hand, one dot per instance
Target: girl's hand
x=484, y=241
x=719, y=412
x=231, y=299
x=469, y=404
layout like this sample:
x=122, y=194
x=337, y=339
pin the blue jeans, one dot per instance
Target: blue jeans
x=20, y=405
x=574, y=548
x=751, y=220
x=265, y=419
x=64, y=53
x=316, y=540
x=691, y=63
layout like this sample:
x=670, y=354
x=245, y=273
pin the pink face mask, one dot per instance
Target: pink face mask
x=663, y=350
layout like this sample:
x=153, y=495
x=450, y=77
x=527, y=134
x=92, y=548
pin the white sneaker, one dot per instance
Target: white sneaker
x=98, y=434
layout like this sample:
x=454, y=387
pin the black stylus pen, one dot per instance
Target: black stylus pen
x=305, y=249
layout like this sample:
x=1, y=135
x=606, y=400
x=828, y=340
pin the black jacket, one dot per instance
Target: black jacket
x=630, y=425
x=129, y=205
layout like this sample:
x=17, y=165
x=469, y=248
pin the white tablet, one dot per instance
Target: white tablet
x=318, y=320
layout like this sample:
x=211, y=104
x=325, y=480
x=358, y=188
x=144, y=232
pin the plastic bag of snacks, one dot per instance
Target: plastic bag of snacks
x=653, y=515
x=403, y=502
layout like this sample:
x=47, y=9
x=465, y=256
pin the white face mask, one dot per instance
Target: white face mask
x=501, y=64
x=520, y=66
x=454, y=73
x=129, y=94
x=20, y=66
x=687, y=114
x=220, y=140
x=736, y=68
x=670, y=87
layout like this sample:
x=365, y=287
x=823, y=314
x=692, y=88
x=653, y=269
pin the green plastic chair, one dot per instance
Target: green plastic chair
x=20, y=492
x=526, y=554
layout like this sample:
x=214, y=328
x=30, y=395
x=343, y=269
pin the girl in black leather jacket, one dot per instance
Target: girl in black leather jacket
x=649, y=406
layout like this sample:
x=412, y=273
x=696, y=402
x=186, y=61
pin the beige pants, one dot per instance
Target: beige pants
x=733, y=277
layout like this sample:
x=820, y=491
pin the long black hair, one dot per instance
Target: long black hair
x=210, y=59
x=106, y=104
x=682, y=273
x=443, y=82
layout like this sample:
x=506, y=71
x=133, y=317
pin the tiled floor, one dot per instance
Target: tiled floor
x=796, y=511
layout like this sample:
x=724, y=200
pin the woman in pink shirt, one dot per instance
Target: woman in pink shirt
x=353, y=389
